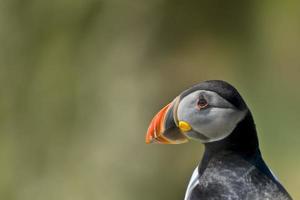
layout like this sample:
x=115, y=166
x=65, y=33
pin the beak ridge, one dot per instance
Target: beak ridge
x=163, y=128
x=156, y=128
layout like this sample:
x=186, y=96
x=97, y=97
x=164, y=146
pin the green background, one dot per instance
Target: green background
x=81, y=80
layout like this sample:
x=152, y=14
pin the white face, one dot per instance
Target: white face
x=214, y=121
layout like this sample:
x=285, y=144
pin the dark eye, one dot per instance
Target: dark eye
x=202, y=103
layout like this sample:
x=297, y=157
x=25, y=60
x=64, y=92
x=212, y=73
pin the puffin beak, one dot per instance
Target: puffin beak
x=163, y=128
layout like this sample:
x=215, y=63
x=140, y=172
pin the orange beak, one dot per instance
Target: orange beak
x=163, y=128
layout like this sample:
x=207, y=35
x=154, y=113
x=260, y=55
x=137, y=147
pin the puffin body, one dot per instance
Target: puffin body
x=230, y=176
x=232, y=168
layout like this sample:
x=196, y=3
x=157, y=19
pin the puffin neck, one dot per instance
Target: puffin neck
x=243, y=140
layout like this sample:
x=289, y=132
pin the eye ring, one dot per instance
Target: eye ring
x=202, y=103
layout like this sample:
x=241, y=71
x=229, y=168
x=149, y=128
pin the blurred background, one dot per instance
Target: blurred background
x=81, y=80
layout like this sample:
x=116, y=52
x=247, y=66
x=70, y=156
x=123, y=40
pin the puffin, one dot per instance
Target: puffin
x=232, y=167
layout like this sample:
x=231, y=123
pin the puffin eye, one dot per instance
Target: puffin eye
x=202, y=103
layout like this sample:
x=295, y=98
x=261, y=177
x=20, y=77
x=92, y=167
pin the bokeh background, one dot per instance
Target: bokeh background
x=81, y=80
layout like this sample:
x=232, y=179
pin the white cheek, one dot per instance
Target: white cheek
x=214, y=123
x=218, y=123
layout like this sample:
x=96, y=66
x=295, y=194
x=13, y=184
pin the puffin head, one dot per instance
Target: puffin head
x=208, y=112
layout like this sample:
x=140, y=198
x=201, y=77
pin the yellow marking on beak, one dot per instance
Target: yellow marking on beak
x=184, y=126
